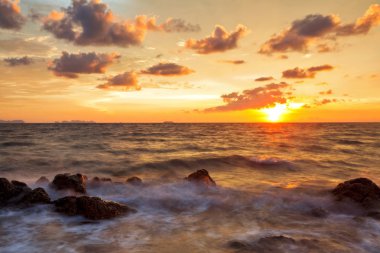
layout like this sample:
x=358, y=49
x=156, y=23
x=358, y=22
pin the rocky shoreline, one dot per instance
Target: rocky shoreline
x=360, y=192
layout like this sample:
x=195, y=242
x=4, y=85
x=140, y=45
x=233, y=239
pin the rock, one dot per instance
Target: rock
x=360, y=190
x=201, y=177
x=319, y=212
x=18, y=194
x=36, y=196
x=134, y=181
x=75, y=182
x=42, y=181
x=92, y=208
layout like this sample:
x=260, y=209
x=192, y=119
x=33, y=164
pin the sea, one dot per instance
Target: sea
x=273, y=193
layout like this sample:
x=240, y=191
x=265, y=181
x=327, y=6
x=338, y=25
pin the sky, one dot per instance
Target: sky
x=190, y=61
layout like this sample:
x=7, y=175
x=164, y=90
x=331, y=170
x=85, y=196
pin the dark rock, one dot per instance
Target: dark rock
x=20, y=195
x=201, y=177
x=18, y=183
x=92, y=208
x=238, y=245
x=43, y=181
x=75, y=182
x=319, y=212
x=360, y=190
x=36, y=196
x=134, y=181
x=374, y=214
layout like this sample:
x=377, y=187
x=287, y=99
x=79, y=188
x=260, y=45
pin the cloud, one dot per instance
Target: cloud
x=93, y=23
x=219, y=41
x=257, y=98
x=70, y=65
x=178, y=25
x=319, y=31
x=363, y=24
x=167, y=69
x=324, y=101
x=236, y=62
x=327, y=92
x=126, y=81
x=305, y=73
x=262, y=79
x=10, y=15
x=14, y=61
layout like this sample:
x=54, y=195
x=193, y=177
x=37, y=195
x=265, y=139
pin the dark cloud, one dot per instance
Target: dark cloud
x=257, y=98
x=70, y=65
x=319, y=31
x=219, y=41
x=10, y=15
x=305, y=73
x=263, y=79
x=167, y=69
x=14, y=61
x=300, y=34
x=93, y=23
x=126, y=81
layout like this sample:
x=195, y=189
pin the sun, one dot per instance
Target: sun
x=274, y=114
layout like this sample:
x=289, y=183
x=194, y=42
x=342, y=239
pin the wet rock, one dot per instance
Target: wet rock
x=43, y=181
x=134, y=181
x=360, y=190
x=75, y=182
x=97, y=181
x=201, y=177
x=18, y=194
x=36, y=196
x=319, y=212
x=92, y=208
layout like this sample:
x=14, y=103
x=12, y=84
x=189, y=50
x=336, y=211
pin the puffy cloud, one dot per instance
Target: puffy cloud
x=126, y=81
x=263, y=79
x=70, y=65
x=167, y=69
x=92, y=23
x=363, y=24
x=257, y=98
x=10, y=15
x=301, y=34
x=14, y=61
x=305, y=73
x=319, y=30
x=327, y=92
x=220, y=40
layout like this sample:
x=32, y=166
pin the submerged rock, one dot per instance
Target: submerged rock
x=17, y=193
x=360, y=190
x=75, y=182
x=134, y=181
x=92, y=208
x=98, y=181
x=201, y=177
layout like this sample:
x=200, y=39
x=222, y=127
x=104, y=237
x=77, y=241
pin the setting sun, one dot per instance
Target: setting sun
x=274, y=114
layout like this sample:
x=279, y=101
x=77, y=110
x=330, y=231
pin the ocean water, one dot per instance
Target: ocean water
x=273, y=180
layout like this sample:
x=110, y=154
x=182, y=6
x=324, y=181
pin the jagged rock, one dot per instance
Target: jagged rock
x=75, y=182
x=360, y=190
x=42, y=181
x=134, y=181
x=18, y=194
x=36, y=196
x=92, y=208
x=201, y=177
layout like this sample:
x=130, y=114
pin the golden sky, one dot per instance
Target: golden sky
x=190, y=61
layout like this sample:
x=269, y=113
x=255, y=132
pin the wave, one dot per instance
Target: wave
x=219, y=163
x=17, y=144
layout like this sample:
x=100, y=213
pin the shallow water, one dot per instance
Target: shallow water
x=273, y=179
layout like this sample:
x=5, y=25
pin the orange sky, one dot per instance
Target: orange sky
x=190, y=61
